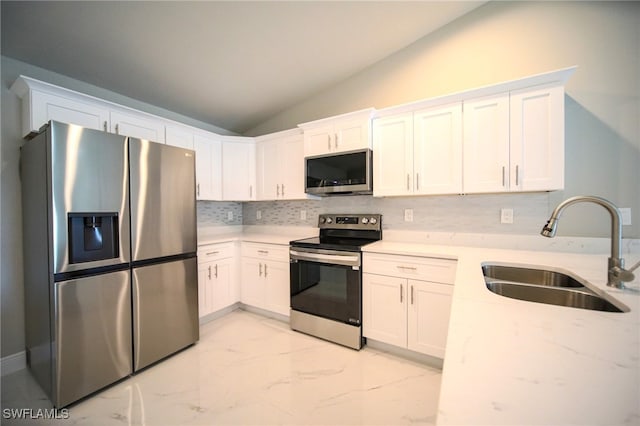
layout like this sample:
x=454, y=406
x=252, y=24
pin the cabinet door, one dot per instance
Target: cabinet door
x=393, y=155
x=45, y=107
x=205, y=290
x=268, y=170
x=136, y=126
x=384, y=309
x=238, y=171
x=428, y=317
x=208, y=168
x=437, y=150
x=291, y=165
x=277, y=295
x=318, y=140
x=223, y=284
x=253, y=289
x=351, y=134
x=486, y=145
x=179, y=136
x=537, y=139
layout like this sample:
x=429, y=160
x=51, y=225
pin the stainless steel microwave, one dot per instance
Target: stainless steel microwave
x=341, y=173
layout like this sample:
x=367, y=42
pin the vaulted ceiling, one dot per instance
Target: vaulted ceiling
x=232, y=64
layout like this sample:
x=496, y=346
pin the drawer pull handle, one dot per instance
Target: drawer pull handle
x=212, y=252
x=209, y=271
x=401, y=291
x=216, y=274
x=263, y=251
x=260, y=271
x=412, y=295
x=265, y=270
x=411, y=268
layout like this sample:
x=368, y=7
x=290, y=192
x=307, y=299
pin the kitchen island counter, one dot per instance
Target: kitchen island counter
x=513, y=362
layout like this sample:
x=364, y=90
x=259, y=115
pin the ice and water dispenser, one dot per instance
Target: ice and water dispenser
x=93, y=236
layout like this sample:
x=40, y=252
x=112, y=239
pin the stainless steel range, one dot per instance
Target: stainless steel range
x=326, y=277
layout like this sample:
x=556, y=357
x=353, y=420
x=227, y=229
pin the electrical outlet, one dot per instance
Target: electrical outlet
x=626, y=215
x=506, y=216
x=259, y=214
x=408, y=215
x=303, y=215
x=229, y=216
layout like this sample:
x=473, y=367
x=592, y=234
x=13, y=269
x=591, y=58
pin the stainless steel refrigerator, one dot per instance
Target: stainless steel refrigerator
x=110, y=267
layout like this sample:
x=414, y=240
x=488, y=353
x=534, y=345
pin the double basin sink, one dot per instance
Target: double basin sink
x=553, y=287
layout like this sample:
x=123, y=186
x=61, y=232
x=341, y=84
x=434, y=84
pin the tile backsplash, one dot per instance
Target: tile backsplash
x=455, y=213
x=216, y=213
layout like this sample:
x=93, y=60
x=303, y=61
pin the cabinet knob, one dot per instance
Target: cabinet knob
x=104, y=125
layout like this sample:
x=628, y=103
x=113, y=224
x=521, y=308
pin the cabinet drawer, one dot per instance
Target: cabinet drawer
x=276, y=252
x=212, y=252
x=412, y=267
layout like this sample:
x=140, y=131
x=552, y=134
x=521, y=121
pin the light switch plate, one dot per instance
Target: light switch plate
x=625, y=212
x=229, y=216
x=303, y=215
x=408, y=215
x=506, y=216
x=259, y=214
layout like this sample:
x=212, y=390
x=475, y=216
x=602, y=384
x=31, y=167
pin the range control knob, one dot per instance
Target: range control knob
x=373, y=221
x=329, y=220
x=322, y=219
x=365, y=220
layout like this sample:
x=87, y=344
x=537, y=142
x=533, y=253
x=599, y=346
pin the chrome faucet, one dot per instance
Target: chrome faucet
x=616, y=274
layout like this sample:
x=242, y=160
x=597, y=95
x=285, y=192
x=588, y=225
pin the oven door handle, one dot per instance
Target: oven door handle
x=338, y=259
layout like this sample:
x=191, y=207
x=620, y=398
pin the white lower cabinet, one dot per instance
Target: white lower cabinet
x=217, y=277
x=265, y=277
x=406, y=301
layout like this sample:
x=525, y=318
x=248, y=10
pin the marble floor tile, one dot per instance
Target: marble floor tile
x=251, y=370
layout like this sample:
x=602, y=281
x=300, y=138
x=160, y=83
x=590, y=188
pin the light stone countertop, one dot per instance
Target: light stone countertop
x=280, y=235
x=512, y=362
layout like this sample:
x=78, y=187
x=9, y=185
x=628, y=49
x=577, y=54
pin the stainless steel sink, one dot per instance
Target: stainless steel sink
x=553, y=287
x=542, y=277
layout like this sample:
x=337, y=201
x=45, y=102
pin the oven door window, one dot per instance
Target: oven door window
x=326, y=290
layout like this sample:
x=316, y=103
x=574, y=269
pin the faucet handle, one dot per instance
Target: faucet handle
x=622, y=274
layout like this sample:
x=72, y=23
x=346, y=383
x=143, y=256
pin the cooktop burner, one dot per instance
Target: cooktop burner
x=344, y=232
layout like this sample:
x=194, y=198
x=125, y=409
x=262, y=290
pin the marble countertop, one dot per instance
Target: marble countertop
x=258, y=234
x=514, y=362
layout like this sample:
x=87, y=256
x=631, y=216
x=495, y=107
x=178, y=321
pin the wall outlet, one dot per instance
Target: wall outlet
x=259, y=214
x=408, y=215
x=626, y=215
x=229, y=216
x=506, y=216
x=303, y=215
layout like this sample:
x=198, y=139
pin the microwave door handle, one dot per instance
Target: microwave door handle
x=348, y=260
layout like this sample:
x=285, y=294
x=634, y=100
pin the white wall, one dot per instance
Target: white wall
x=502, y=41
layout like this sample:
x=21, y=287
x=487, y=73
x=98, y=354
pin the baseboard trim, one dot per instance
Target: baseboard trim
x=12, y=363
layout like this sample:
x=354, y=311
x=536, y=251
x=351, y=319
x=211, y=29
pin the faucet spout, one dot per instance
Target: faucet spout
x=616, y=263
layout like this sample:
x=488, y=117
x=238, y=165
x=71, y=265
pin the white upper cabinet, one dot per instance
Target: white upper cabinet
x=280, y=166
x=515, y=141
x=208, y=148
x=136, y=126
x=393, y=155
x=418, y=152
x=341, y=133
x=40, y=107
x=239, y=169
x=537, y=139
x=180, y=136
x=486, y=144
x=208, y=166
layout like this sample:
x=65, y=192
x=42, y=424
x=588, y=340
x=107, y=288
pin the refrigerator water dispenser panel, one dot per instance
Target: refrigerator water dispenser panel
x=93, y=236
